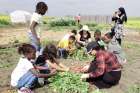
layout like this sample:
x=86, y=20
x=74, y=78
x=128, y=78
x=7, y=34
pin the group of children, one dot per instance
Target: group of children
x=73, y=40
x=34, y=69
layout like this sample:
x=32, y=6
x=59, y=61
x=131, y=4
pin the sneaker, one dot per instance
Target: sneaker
x=25, y=90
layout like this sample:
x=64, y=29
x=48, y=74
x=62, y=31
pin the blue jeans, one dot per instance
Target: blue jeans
x=62, y=53
x=27, y=80
x=34, y=41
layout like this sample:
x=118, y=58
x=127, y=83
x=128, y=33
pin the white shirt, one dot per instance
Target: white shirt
x=36, y=18
x=66, y=37
x=23, y=66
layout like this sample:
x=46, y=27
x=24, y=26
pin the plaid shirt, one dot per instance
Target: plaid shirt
x=104, y=62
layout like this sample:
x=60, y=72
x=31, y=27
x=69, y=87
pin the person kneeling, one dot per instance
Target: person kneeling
x=25, y=76
x=104, y=71
x=66, y=47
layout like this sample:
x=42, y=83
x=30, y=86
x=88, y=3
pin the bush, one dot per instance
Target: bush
x=91, y=24
x=4, y=20
x=62, y=22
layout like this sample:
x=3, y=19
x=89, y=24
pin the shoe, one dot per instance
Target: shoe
x=25, y=90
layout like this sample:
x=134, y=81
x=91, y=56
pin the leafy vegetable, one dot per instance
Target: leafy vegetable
x=67, y=82
x=80, y=55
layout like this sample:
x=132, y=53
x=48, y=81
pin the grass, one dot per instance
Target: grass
x=56, y=23
x=4, y=20
x=133, y=23
x=134, y=89
x=7, y=59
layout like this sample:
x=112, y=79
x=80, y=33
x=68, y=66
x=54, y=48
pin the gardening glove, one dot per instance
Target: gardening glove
x=84, y=77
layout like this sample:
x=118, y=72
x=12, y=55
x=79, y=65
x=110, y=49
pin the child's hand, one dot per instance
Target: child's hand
x=53, y=71
x=67, y=69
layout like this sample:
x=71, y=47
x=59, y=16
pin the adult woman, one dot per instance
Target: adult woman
x=119, y=18
x=104, y=71
x=83, y=37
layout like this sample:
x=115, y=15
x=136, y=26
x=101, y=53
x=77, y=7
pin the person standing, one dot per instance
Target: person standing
x=34, y=32
x=119, y=18
x=78, y=19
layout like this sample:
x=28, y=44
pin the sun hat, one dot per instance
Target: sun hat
x=85, y=27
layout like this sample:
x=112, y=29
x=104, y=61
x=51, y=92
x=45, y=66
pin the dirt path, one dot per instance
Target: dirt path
x=131, y=70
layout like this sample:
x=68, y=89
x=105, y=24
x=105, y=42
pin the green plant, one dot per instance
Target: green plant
x=4, y=20
x=134, y=89
x=80, y=55
x=133, y=23
x=62, y=22
x=91, y=24
x=67, y=82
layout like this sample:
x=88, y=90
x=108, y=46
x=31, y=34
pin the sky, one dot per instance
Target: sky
x=73, y=7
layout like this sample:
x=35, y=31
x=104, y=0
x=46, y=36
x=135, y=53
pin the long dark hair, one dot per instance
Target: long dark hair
x=50, y=52
x=122, y=10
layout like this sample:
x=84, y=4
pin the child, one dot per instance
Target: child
x=97, y=37
x=34, y=33
x=71, y=33
x=25, y=75
x=66, y=47
x=114, y=47
x=49, y=56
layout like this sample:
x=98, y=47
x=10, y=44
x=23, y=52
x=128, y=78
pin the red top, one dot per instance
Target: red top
x=78, y=17
x=104, y=62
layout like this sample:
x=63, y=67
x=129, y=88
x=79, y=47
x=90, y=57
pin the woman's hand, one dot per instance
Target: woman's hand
x=84, y=77
x=85, y=69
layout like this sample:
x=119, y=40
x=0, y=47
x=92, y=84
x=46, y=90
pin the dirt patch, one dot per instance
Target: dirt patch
x=131, y=70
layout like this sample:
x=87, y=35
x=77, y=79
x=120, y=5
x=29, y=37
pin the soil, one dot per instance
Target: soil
x=130, y=73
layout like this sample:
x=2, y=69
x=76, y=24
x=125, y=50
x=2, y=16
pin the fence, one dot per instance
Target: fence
x=96, y=18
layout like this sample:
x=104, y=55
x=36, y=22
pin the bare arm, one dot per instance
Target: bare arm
x=64, y=67
x=56, y=66
x=32, y=28
x=89, y=40
x=78, y=39
x=41, y=67
x=37, y=74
